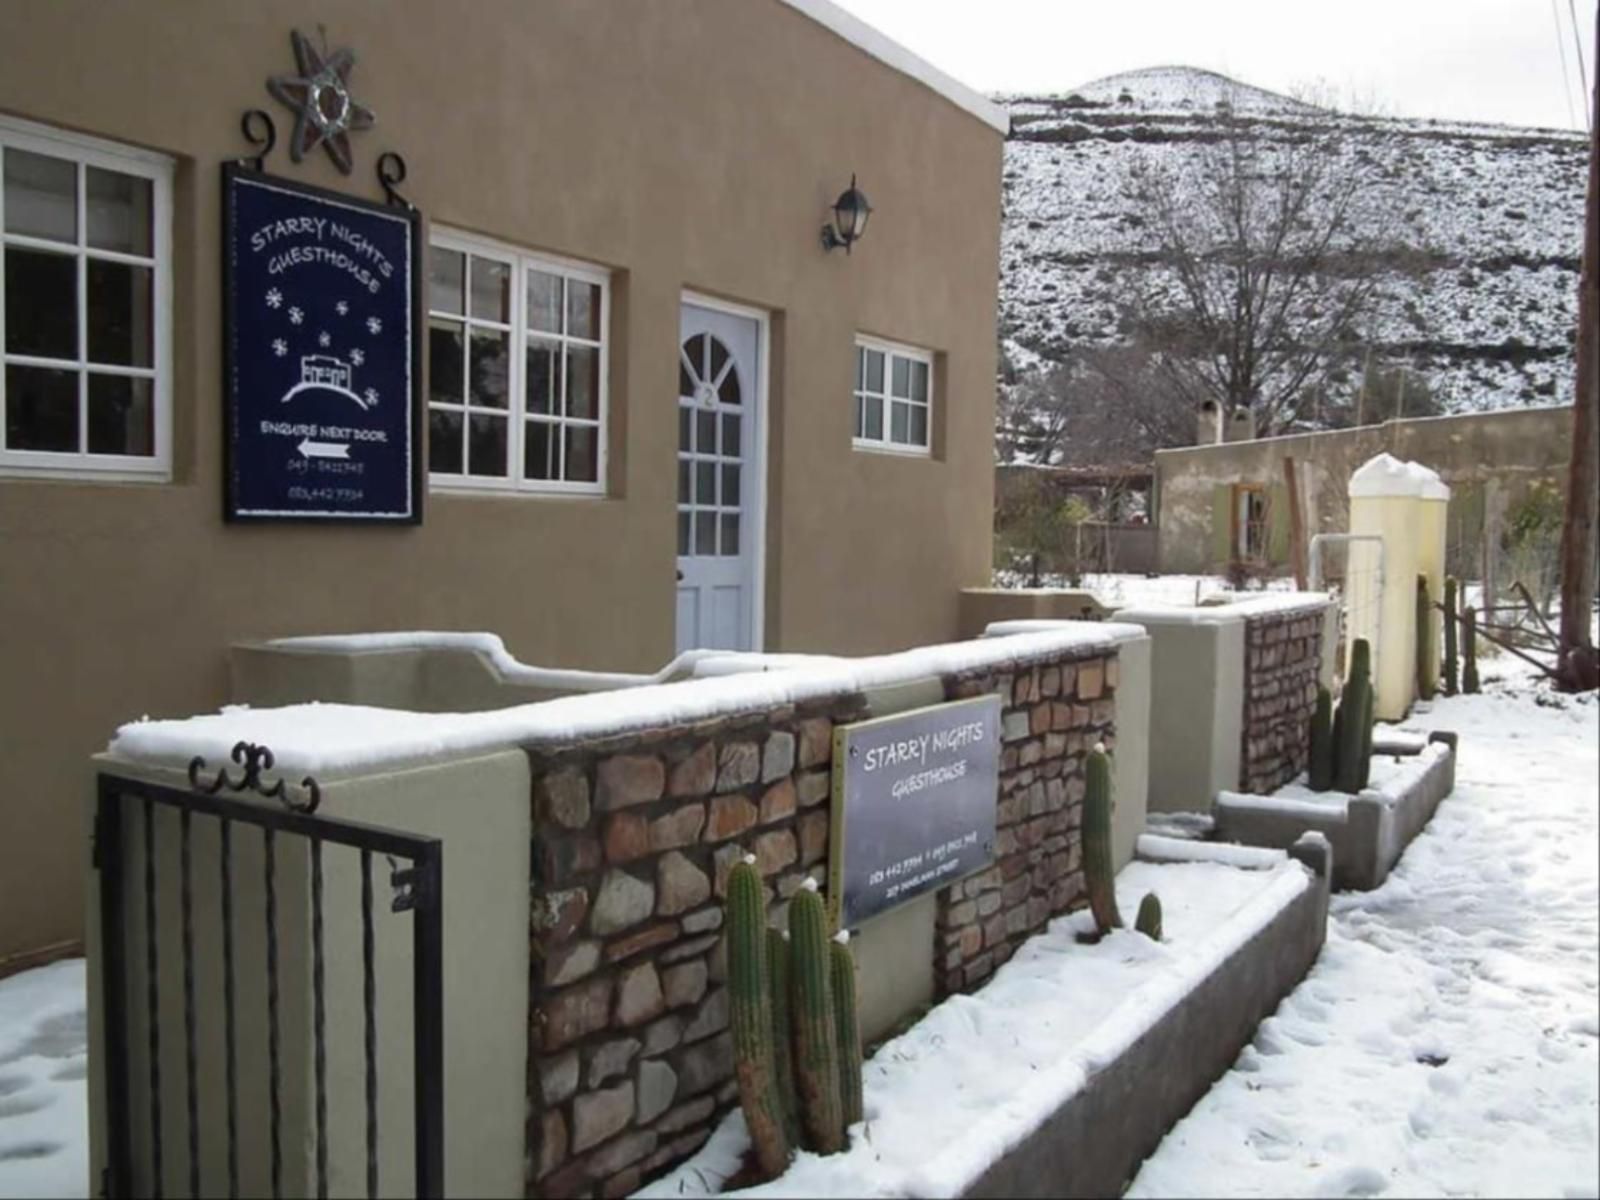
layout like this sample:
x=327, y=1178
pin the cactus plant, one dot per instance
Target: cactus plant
x=847, y=1029
x=1469, y=650
x=750, y=1017
x=1355, y=720
x=1148, y=922
x=1321, y=765
x=778, y=985
x=1451, y=668
x=1098, y=871
x=816, y=1041
x=1426, y=682
x=1369, y=699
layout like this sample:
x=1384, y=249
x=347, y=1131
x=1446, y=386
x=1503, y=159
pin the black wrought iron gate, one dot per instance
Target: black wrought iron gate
x=125, y=806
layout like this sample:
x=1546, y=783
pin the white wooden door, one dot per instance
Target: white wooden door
x=718, y=410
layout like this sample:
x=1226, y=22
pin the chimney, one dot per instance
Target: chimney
x=1242, y=425
x=1208, y=424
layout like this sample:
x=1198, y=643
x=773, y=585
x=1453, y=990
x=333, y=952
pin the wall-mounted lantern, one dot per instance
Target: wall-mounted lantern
x=850, y=213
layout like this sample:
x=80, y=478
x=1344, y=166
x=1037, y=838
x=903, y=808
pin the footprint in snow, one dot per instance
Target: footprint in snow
x=23, y=1150
x=20, y=1105
x=1353, y=1181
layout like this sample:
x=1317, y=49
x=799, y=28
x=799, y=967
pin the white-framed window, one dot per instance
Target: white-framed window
x=85, y=306
x=893, y=397
x=517, y=369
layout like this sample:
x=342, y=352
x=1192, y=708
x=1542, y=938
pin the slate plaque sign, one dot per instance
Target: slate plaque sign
x=322, y=359
x=914, y=798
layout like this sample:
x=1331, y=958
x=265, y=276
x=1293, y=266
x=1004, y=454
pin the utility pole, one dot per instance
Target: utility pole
x=1578, y=669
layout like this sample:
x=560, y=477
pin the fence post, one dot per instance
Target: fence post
x=1469, y=650
x=1426, y=685
x=1451, y=667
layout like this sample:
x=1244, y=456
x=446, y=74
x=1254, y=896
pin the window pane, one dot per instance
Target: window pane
x=41, y=409
x=899, y=422
x=444, y=442
x=544, y=301
x=705, y=483
x=730, y=533
x=874, y=370
x=447, y=274
x=583, y=458
x=542, y=375
x=719, y=359
x=695, y=350
x=705, y=431
x=539, y=450
x=919, y=381
x=685, y=384
x=683, y=481
x=730, y=435
x=118, y=213
x=41, y=303
x=121, y=415
x=120, y=313
x=486, y=444
x=919, y=425
x=730, y=485
x=583, y=382
x=446, y=369
x=705, y=532
x=901, y=384
x=874, y=418
x=583, y=309
x=41, y=196
x=491, y=289
x=684, y=427
x=683, y=533
x=489, y=384
x=729, y=392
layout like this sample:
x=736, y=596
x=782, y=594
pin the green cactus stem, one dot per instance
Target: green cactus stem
x=778, y=987
x=1426, y=682
x=1469, y=650
x=1321, y=765
x=847, y=1028
x=1098, y=870
x=1148, y=922
x=816, y=1040
x=1451, y=666
x=1369, y=718
x=750, y=1018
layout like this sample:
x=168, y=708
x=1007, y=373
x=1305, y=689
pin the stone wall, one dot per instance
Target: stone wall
x=1283, y=655
x=630, y=1058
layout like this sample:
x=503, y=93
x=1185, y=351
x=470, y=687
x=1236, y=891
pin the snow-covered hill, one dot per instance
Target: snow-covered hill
x=1495, y=214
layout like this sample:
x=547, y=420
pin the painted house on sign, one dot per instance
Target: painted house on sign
x=616, y=393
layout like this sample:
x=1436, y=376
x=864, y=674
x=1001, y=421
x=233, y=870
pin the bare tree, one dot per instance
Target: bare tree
x=1272, y=242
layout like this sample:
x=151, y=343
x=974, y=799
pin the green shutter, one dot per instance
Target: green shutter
x=1221, y=524
x=1278, y=524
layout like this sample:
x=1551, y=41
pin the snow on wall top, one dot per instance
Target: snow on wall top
x=1218, y=614
x=1386, y=475
x=340, y=739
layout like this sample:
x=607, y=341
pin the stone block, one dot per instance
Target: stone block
x=730, y=816
x=712, y=1017
x=960, y=914
x=562, y=913
x=636, y=943
x=622, y=1153
x=624, y=780
x=703, y=921
x=813, y=837
x=989, y=903
x=569, y=962
x=778, y=801
x=627, y=837
x=610, y=1059
x=690, y=948
x=573, y=1013
x=705, y=1066
x=777, y=756
x=552, y=1141
x=558, y=1077
x=979, y=969
x=1030, y=752
x=685, y=1115
x=695, y=775
x=564, y=798
x=680, y=885
x=815, y=742
x=738, y=765
x=658, y=1084
x=1016, y=920
x=1049, y=682
x=1039, y=718
x=1015, y=725
x=639, y=995
x=680, y=827
x=562, y=858
x=684, y=984
x=662, y=1035
x=623, y=902
x=721, y=863
x=774, y=851
x=1091, y=679
x=624, y=1183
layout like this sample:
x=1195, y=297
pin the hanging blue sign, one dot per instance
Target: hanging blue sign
x=321, y=354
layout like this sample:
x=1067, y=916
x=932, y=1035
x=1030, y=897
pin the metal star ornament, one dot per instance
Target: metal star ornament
x=320, y=97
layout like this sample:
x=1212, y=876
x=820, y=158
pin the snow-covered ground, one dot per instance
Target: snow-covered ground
x=1447, y=1043
x=1129, y=590
x=44, y=1116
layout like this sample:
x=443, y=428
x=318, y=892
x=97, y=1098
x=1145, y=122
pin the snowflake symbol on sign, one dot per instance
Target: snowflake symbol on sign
x=296, y=316
x=274, y=298
x=374, y=325
x=280, y=347
x=372, y=396
x=323, y=339
x=358, y=356
x=341, y=308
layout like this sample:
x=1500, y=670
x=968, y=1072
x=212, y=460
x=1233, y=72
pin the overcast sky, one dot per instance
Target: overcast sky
x=1488, y=60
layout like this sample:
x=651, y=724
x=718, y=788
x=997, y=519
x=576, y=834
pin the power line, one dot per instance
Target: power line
x=1561, y=53
x=1577, y=44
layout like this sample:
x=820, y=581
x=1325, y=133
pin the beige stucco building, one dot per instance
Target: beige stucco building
x=664, y=166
